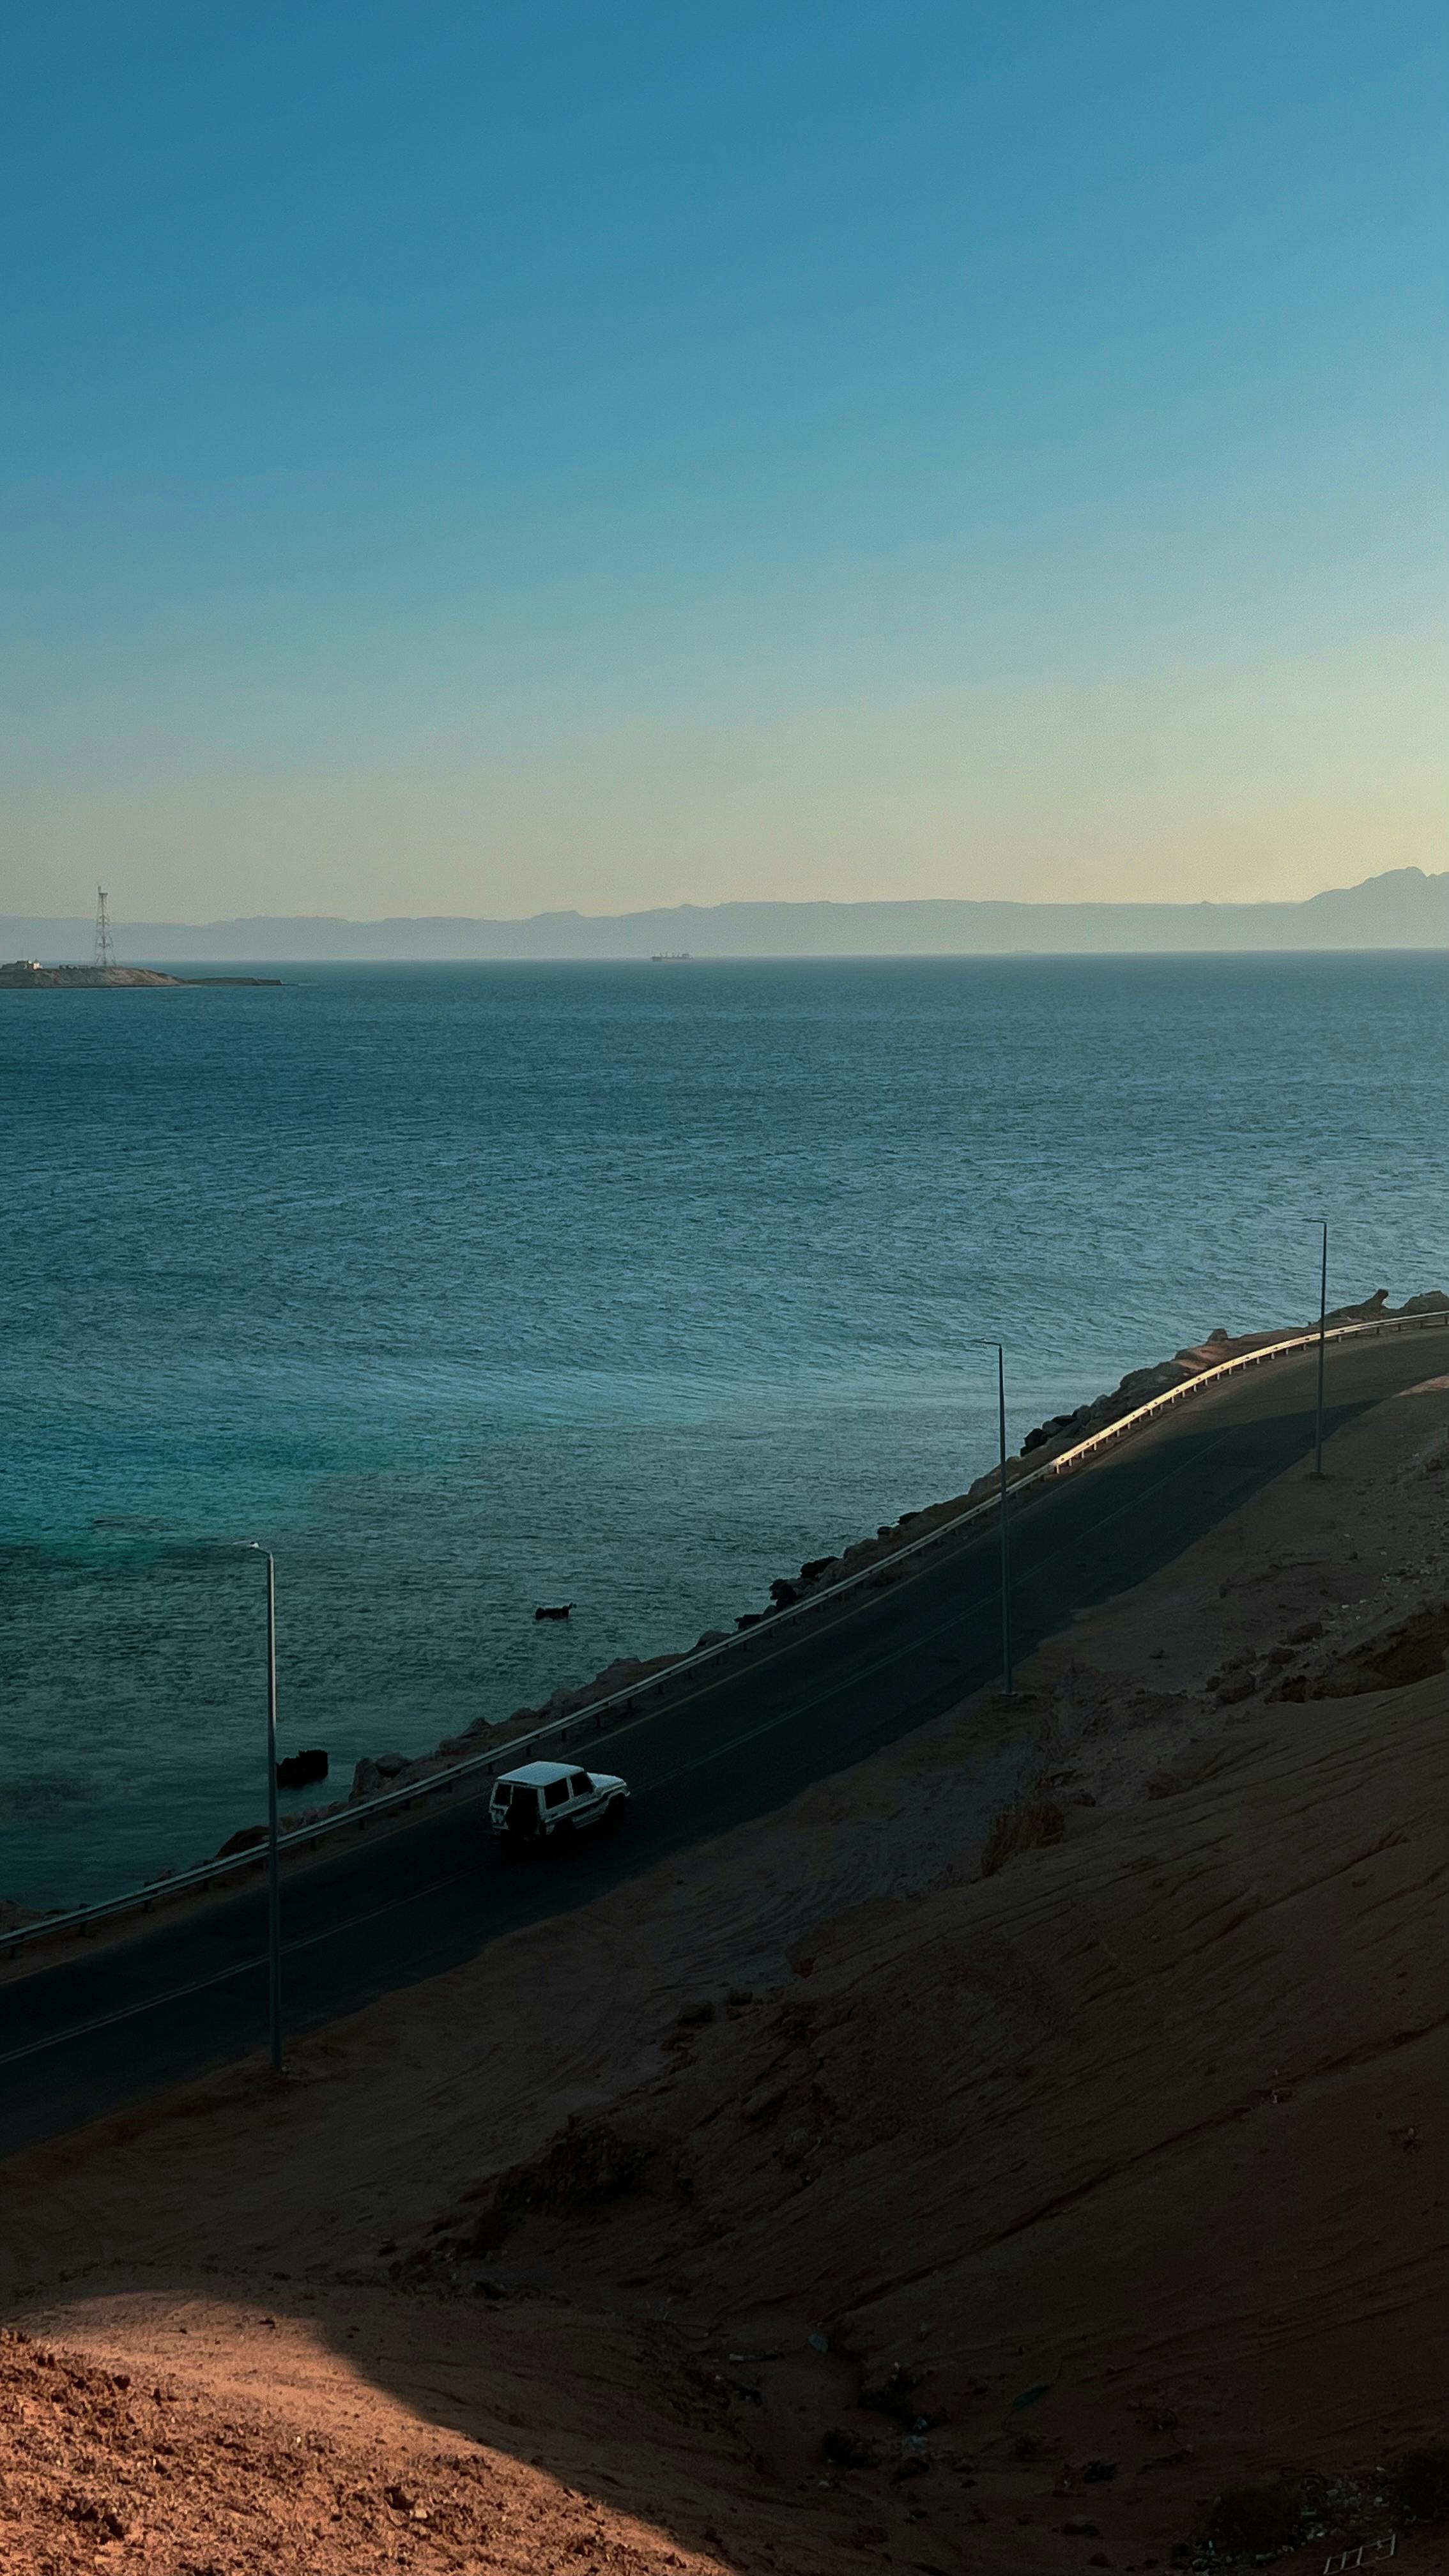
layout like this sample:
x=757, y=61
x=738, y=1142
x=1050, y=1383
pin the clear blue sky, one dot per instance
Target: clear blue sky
x=483, y=458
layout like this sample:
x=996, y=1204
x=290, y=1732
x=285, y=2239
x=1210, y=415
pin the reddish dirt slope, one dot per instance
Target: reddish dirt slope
x=106, y=2468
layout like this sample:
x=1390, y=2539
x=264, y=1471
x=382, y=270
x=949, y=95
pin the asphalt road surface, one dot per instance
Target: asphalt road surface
x=94, y=2032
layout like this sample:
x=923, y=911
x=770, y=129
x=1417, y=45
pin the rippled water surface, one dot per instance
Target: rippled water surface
x=467, y=1289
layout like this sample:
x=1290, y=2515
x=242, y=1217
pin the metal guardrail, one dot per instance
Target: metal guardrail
x=592, y=1716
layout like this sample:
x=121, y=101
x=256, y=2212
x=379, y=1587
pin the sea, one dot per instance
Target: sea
x=463, y=1289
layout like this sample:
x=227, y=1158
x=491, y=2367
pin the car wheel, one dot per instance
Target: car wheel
x=616, y=1815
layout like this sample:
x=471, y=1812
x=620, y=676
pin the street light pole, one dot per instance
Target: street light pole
x=1322, y=1341
x=274, y=1867
x=1001, y=1514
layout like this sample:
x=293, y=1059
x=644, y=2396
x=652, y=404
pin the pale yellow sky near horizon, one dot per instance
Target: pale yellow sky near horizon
x=1036, y=787
x=493, y=462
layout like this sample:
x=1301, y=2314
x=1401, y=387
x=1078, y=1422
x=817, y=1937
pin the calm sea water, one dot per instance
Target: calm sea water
x=470, y=1288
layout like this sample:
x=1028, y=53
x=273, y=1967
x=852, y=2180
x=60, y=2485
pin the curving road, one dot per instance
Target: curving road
x=87, y=2035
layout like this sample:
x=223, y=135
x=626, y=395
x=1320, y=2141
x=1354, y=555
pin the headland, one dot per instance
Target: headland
x=26, y=974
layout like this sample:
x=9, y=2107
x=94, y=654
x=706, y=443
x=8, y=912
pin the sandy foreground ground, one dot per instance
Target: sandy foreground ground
x=818, y=2201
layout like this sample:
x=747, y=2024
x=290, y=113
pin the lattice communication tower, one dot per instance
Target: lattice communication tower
x=105, y=952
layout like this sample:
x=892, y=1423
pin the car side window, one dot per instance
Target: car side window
x=555, y=1793
x=580, y=1783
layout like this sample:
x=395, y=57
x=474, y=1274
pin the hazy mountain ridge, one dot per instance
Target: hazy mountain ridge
x=1402, y=909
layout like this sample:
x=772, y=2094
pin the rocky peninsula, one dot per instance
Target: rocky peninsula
x=27, y=975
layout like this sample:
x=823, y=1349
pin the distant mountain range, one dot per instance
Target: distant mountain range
x=1404, y=909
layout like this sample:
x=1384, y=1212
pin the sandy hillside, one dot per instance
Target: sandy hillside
x=815, y=2200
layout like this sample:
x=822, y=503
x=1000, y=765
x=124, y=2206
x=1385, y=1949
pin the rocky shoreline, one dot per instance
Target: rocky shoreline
x=390, y=1770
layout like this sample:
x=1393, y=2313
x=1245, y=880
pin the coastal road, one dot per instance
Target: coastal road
x=92, y=2033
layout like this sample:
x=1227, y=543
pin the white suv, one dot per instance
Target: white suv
x=547, y=1802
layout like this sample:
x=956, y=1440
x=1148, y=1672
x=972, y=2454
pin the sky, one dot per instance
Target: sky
x=483, y=459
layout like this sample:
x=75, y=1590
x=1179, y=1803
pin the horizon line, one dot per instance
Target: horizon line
x=775, y=903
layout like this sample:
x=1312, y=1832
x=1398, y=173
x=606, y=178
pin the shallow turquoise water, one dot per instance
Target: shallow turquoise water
x=469, y=1288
